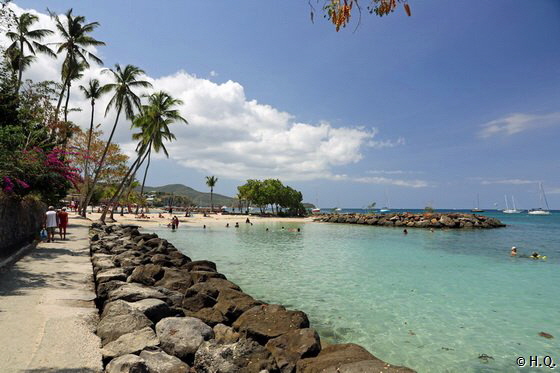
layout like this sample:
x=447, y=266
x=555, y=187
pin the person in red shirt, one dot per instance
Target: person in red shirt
x=62, y=223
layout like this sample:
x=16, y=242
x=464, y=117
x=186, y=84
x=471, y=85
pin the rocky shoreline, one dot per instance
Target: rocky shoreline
x=409, y=220
x=162, y=312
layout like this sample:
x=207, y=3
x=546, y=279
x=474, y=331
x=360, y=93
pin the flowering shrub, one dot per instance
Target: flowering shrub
x=47, y=173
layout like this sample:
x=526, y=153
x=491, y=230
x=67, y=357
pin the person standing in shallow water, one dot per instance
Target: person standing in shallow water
x=50, y=223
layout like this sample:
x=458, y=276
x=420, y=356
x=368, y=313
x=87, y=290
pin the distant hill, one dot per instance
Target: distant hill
x=200, y=198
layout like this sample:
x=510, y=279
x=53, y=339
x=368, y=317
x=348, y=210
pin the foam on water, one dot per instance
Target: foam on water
x=431, y=301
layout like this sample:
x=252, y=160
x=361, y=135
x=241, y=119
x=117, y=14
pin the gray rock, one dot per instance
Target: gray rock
x=130, y=343
x=154, y=309
x=201, y=265
x=175, y=279
x=127, y=364
x=146, y=274
x=269, y=321
x=132, y=292
x=289, y=348
x=181, y=336
x=244, y=356
x=160, y=362
x=232, y=303
x=225, y=334
x=120, y=320
x=110, y=275
x=344, y=358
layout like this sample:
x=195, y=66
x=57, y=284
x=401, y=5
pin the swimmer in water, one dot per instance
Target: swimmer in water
x=513, y=251
x=535, y=255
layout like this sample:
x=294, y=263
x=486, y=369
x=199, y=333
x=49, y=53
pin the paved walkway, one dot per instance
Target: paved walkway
x=47, y=314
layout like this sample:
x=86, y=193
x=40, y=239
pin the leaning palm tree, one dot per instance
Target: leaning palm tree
x=23, y=38
x=153, y=123
x=75, y=33
x=92, y=91
x=125, y=81
x=211, y=182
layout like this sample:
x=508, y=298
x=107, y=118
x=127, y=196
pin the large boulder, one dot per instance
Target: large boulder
x=118, y=320
x=130, y=343
x=243, y=356
x=269, y=321
x=181, y=336
x=289, y=348
x=200, y=295
x=348, y=358
x=225, y=334
x=154, y=309
x=132, y=292
x=210, y=316
x=146, y=274
x=232, y=303
x=110, y=274
x=201, y=265
x=160, y=362
x=127, y=364
x=175, y=279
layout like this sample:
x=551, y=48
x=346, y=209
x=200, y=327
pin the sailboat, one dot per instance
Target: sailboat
x=477, y=208
x=541, y=211
x=507, y=210
x=386, y=208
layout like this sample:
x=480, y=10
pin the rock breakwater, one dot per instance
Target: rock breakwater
x=409, y=220
x=162, y=312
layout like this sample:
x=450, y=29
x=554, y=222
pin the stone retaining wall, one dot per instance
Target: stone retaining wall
x=20, y=222
x=409, y=220
x=162, y=312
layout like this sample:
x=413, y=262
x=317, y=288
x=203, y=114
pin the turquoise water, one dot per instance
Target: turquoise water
x=431, y=301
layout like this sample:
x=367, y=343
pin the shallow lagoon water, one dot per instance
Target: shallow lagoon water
x=432, y=301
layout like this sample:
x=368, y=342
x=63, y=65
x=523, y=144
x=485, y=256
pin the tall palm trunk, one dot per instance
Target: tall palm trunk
x=128, y=177
x=83, y=211
x=20, y=67
x=66, y=104
x=212, y=199
x=145, y=174
x=102, y=160
x=66, y=81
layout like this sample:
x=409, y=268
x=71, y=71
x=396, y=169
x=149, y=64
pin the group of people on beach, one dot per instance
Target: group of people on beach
x=55, y=219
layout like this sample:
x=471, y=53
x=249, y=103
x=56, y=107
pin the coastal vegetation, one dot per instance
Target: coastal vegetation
x=42, y=152
x=283, y=200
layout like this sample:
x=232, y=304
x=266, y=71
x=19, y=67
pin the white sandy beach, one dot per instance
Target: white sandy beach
x=195, y=219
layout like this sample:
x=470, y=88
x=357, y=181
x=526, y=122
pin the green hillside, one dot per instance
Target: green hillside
x=200, y=198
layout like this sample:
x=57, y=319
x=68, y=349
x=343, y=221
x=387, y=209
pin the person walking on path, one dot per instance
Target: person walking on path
x=51, y=222
x=62, y=223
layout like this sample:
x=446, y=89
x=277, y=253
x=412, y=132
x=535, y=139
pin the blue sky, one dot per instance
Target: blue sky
x=459, y=99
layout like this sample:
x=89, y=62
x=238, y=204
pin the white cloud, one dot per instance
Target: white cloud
x=213, y=73
x=508, y=181
x=553, y=191
x=392, y=172
x=386, y=143
x=518, y=122
x=228, y=134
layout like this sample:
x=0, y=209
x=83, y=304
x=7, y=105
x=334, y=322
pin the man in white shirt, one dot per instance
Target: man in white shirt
x=51, y=222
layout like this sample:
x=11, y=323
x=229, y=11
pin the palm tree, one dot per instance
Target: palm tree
x=153, y=122
x=92, y=91
x=24, y=37
x=124, y=98
x=75, y=33
x=211, y=182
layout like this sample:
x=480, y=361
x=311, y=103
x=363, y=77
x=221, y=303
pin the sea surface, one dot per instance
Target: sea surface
x=447, y=301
